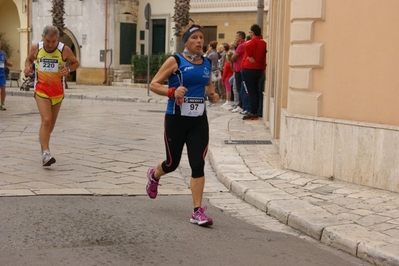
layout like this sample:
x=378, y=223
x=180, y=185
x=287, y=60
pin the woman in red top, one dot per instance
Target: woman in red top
x=253, y=67
x=227, y=73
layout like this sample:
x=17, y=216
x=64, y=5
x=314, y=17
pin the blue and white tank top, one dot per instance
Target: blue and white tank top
x=2, y=63
x=194, y=78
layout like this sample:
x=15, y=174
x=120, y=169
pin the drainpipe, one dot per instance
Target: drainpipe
x=106, y=43
x=261, y=7
x=109, y=67
x=28, y=11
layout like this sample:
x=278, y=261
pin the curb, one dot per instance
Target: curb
x=314, y=221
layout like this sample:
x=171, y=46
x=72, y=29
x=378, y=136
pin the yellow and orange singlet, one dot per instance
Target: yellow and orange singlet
x=49, y=83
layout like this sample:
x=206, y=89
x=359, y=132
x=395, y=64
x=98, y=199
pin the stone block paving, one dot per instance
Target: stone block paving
x=359, y=220
x=106, y=137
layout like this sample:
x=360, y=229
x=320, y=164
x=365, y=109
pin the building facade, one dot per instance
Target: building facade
x=104, y=34
x=331, y=92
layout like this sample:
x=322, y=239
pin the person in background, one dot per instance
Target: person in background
x=237, y=65
x=234, y=93
x=246, y=104
x=213, y=55
x=186, y=121
x=222, y=50
x=262, y=81
x=204, y=50
x=253, y=67
x=4, y=63
x=232, y=46
x=50, y=57
x=227, y=74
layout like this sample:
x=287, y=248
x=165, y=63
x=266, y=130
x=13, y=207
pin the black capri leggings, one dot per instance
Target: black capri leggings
x=192, y=131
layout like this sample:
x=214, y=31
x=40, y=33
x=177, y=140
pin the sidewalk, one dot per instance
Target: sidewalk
x=359, y=220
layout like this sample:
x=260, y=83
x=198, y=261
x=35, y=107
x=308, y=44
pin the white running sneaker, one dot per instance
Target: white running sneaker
x=228, y=103
x=237, y=110
x=47, y=158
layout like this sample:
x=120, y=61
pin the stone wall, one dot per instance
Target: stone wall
x=361, y=153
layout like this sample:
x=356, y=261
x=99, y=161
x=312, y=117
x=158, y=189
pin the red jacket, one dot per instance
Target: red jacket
x=255, y=48
x=227, y=71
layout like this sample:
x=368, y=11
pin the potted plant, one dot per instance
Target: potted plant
x=139, y=66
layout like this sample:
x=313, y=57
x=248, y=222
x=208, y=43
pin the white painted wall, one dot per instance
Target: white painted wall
x=82, y=18
x=159, y=10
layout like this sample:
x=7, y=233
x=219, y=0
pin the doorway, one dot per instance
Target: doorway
x=69, y=40
x=210, y=34
x=127, y=43
x=158, y=36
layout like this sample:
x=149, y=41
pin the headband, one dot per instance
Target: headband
x=189, y=32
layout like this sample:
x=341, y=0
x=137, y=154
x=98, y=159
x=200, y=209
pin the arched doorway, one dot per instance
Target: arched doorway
x=9, y=27
x=69, y=40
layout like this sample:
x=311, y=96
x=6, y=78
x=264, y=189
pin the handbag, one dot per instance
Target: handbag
x=216, y=75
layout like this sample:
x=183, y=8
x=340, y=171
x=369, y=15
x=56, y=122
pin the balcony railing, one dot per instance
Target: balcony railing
x=206, y=6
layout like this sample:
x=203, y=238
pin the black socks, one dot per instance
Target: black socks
x=153, y=177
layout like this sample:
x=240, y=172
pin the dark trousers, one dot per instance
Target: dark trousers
x=238, y=81
x=251, y=77
x=261, y=91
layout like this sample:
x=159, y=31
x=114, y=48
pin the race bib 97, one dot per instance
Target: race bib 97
x=193, y=106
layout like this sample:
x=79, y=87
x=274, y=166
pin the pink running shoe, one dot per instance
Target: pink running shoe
x=200, y=218
x=152, y=184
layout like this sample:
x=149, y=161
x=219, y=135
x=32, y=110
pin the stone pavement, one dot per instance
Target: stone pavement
x=359, y=220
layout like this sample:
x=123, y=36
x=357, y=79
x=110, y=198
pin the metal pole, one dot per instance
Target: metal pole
x=147, y=15
x=261, y=7
x=148, y=60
